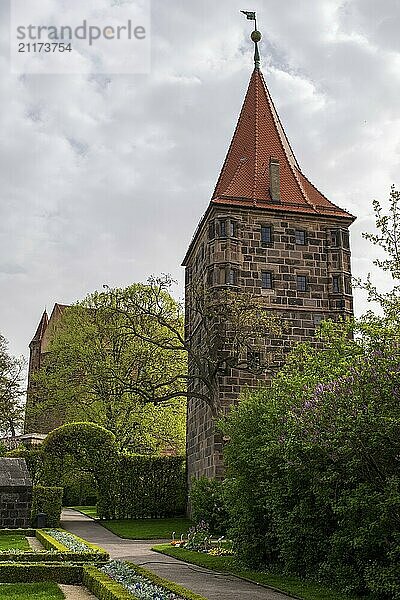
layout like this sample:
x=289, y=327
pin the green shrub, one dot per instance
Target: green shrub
x=47, y=500
x=312, y=466
x=145, y=486
x=207, y=502
x=128, y=486
x=31, y=573
x=79, y=489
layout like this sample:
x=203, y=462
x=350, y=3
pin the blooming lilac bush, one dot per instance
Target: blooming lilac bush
x=140, y=586
x=313, y=462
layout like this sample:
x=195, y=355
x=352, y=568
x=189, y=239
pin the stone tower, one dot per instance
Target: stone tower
x=268, y=231
x=38, y=351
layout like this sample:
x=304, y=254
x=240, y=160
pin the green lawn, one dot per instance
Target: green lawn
x=13, y=542
x=148, y=529
x=90, y=511
x=228, y=564
x=30, y=591
x=142, y=529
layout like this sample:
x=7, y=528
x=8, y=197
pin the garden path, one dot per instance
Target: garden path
x=76, y=592
x=209, y=584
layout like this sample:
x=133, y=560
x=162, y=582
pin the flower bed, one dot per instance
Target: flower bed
x=126, y=581
x=60, y=546
x=72, y=542
x=200, y=539
x=139, y=586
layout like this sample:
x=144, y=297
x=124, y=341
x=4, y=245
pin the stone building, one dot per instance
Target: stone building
x=38, y=351
x=15, y=493
x=269, y=231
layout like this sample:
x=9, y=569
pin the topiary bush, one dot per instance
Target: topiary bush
x=47, y=500
x=208, y=503
x=92, y=449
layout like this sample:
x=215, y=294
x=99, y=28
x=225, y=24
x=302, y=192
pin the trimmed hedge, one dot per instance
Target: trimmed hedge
x=106, y=588
x=47, y=500
x=103, y=587
x=31, y=573
x=145, y=486
x=25, y=532
x=51, y=557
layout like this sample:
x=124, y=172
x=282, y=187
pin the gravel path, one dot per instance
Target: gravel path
x=209, y=584
x=35, y=544
x=76, y=592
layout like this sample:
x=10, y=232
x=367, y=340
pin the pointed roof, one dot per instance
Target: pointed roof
x=259, y=137
x=41, y=327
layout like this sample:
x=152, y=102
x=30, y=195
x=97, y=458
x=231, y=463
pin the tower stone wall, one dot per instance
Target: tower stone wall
x=325, y=255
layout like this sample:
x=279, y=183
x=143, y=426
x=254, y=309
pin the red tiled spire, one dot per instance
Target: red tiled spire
x=41, y=327
x=245, y=176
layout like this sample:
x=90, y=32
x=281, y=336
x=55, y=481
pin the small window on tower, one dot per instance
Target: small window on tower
x=336, y=284
x=266, y=234
x=232, y=229
x=231, y=276
x=210, y=276
x=335, y=238
x=345, y=239
x=300, y=236
x=211, y=230
x=222, y=229
x=302, y=283
x=347, y=285
x=266, y=280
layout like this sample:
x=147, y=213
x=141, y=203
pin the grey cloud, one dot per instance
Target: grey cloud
x=104, y=178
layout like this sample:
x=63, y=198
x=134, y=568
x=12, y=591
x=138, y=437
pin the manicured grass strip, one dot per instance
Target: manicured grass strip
x=90, y=511
x=33, y=591
x=13, y=542
x=141, y=529
x=148, y=529
x=307, y=590
x=106, y=588
x=32, y=573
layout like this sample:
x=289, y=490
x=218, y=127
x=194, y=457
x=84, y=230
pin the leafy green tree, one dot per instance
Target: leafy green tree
x=98, y=370
x=12, y=373
x=387, y=239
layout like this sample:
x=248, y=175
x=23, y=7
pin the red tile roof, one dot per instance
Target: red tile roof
x=259, y=136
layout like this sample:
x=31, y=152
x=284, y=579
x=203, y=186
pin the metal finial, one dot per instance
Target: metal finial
x=255, y=36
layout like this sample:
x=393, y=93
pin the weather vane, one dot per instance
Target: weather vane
x=255, y=36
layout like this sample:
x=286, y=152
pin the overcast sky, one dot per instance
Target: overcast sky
x=104, y=178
